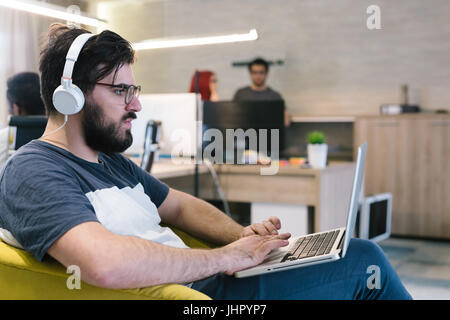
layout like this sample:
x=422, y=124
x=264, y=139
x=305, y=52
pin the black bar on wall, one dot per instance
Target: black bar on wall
x=246, y=63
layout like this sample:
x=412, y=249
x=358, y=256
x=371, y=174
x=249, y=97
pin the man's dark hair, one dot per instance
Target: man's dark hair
x=101, y=55
x=23, y=89
x=259, y=61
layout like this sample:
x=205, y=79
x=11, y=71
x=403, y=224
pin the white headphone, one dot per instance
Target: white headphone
x=68, y=98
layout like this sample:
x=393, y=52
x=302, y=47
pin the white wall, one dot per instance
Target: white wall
x=21, y=34
x=19, y=50
x=333, y=63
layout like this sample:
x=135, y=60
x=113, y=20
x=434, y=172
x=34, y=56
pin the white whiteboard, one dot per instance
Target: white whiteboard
x=178, y=115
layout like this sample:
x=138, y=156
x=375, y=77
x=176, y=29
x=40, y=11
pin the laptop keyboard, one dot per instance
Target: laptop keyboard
x=313, y=245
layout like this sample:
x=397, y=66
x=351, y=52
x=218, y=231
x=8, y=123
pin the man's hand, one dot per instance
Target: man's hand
x=267, y=227
x=251, y=250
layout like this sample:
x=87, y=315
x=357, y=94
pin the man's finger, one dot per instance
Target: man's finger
x=260, y=229
x=272, y=244
x=276, y=221
x=284, y=236
x=270, y=227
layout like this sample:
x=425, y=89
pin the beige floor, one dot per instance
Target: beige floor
x=423, y=266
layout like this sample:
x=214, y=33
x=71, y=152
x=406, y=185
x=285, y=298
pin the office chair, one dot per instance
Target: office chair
x=27, y=128
x=25, y=278
x=151, y=141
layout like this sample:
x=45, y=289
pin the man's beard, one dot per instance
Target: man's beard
x=101, y=136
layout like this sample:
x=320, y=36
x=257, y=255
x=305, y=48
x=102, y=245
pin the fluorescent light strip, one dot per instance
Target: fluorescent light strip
x=172, y=43
x=49, y=10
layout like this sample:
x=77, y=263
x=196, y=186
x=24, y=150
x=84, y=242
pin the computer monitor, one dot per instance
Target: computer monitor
x=26, y=128
x=374, y=219
x=177, y=114
x=258, y=116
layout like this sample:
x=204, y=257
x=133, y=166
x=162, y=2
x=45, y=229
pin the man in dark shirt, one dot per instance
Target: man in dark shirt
x=259, y=69
x=259, y=91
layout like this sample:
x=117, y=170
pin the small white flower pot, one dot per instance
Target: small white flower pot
x=317, y=155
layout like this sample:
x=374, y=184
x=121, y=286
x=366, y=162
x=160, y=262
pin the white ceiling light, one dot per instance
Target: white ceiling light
x=186, y=42
x=50, y=10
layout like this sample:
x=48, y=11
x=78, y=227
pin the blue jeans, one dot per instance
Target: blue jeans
x=347, y=278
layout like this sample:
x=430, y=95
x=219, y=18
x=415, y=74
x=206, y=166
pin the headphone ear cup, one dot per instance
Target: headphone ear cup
x=78, y=94
x=68, y=100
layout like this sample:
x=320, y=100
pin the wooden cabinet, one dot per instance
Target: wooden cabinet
x=409, y=156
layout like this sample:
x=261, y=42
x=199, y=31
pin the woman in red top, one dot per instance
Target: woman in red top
x=207, y=85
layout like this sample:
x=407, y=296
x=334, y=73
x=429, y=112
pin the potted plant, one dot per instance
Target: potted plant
x=317, y=149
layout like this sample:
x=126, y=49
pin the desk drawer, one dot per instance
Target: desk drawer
x=285, y=189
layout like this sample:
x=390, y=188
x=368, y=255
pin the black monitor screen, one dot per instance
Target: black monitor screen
x=378, y=217
x=246, y=115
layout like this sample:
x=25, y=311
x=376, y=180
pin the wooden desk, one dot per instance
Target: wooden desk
x=326, y=192
x=167, y=170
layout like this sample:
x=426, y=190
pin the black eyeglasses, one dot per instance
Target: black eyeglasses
x=131, y=90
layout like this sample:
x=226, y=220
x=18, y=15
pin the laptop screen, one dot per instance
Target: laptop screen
x=356, y=189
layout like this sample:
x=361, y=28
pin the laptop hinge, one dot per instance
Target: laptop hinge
x=341, y=242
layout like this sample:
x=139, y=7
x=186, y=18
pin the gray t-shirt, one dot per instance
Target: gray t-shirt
x=45, y=191
x=248, y=94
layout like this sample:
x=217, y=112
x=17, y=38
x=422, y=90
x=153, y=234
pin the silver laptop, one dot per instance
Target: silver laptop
x=318, y=247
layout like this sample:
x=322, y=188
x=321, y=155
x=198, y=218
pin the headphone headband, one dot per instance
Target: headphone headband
x=73, y=53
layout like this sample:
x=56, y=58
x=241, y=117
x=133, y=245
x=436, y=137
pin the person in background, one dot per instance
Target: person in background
x=207, y=85
x=24, y=95
x=259, y=90
x=259, y=69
